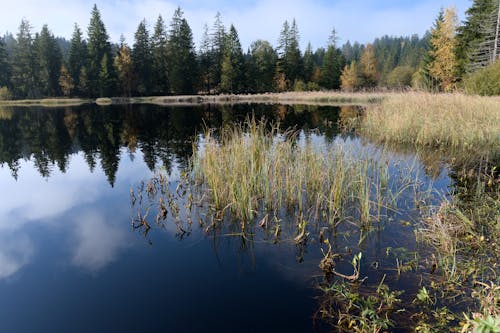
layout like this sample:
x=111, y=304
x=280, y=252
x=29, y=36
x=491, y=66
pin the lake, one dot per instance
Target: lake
x=71, y=260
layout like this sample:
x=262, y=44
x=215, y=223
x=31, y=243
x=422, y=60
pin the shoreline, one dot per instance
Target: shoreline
x=287, y=98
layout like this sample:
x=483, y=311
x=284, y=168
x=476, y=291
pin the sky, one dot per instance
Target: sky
x=354, y=20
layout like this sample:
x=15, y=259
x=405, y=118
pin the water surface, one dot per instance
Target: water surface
x=70, y=260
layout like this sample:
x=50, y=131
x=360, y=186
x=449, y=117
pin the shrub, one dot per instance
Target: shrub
x=299, y=86
x=400, y=77
x=485, y=82
x=5, y=94
x=313, y=86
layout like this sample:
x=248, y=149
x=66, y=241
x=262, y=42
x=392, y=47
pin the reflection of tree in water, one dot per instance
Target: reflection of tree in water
x=163, y=134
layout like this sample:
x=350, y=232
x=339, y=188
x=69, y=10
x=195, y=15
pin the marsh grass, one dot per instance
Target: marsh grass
x=253, y=169
x=436, y=120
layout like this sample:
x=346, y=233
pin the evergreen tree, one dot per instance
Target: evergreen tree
x=368, y=64
x=24, y=64
x=183, y=71
x=332, y=64
x=99, y=53
x=232, y=65
x=159, y=73
x=77, y=57
x=142, y=59
x=218, y=40
x=290, y=66
x=308, y=63
x=49, y=59
x=205, y=61
x=261, y=66
x=471, y=34
x=5, y=69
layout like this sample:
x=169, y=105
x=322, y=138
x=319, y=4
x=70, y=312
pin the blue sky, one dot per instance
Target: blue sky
x=355, y=20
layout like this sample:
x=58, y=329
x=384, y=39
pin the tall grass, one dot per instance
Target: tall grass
x=436, y=120
x=253, y=168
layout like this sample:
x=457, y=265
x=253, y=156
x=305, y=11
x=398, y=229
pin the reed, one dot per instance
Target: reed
x=254, y=168
x=436, y=120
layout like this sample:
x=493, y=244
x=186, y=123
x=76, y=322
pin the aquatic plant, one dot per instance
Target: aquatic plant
x=436, y=120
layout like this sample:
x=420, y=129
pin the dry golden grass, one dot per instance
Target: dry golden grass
x=436, y=120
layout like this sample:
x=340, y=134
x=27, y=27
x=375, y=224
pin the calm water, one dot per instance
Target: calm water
x=71, y=262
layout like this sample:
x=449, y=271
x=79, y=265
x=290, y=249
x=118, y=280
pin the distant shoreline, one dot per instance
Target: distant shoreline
x=311, y=98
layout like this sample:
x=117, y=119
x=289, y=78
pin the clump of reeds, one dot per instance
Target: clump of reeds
x=436, y=120
x=254, y=168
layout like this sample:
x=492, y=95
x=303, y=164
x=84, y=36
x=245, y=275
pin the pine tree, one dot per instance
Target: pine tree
x=77, y=57
x=24, y=65
x=99, y=48
x=218, y=40
x=290, y=66
x=368, y=64
x=472, y=33
x=49, y=59
x=5, y=69
x=261, y=66
x=232, y=65
x=487, y=51
x=332, y=64
x=205, y=61
x=308, y=63
x=159, y=73
x=183, y=69
x=142, y=59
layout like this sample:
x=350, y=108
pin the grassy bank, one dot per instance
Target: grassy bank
x=436, y=120
x=47, y=102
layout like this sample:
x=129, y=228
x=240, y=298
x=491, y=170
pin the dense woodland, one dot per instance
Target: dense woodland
x=164, y=61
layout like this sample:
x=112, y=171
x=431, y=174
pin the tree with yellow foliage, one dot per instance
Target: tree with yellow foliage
x=443, y=67
x=350, y=78
x=368, y=64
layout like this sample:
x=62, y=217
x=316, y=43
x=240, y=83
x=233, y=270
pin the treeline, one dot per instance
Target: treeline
x=164, y=61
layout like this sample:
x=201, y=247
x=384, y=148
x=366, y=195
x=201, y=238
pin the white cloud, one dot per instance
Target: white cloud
x=98, y=242
x=15, y=252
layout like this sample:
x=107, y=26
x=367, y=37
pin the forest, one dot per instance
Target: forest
x=165, y=61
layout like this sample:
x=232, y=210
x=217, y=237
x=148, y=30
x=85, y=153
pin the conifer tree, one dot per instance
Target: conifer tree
x=24, y=65
x=77, y=57
x=125, y=68
x=49, y=59
x=351, y=77
x=308, y=63
x=142, y=59
x=232, y=65
x=368, y=64
x=263, y=63
x=159, y=73
x=205, y=60
x=218, y=40
x=443, y=65
x=5, y=69
x=471, y=34
x=183, y=69
x=66, y=82
x=99, y=48
x=332, y=64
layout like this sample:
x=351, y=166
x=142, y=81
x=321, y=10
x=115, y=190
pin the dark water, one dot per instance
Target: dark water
x=71, y=262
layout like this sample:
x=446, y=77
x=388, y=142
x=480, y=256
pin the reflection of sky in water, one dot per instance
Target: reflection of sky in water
x=70, y=262
x=78, y=202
